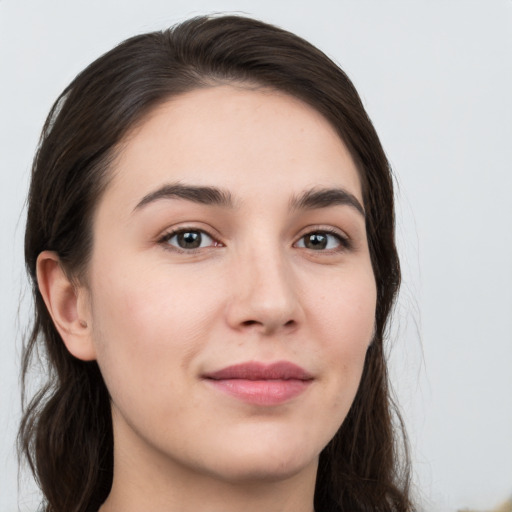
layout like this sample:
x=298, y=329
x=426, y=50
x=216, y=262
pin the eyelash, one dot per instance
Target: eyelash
x=164, y=240
x=343, y=241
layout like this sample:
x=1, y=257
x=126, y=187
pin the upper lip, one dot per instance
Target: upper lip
x=253, y=370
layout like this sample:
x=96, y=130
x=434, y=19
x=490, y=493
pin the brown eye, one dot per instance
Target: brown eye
x=190, y=239
x=315, y=241
x=320, y=240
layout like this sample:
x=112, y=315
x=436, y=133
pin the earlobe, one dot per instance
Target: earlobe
x=67, y=305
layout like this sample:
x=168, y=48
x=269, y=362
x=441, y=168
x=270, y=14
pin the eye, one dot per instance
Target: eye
x=189, y=239
x=321, y=241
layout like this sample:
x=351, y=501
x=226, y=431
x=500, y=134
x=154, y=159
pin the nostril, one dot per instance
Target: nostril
x=249, y=323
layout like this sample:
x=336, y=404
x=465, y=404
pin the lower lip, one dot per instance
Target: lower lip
x=261, y=392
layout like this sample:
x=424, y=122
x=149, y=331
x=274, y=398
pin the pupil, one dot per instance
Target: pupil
x=316, y=241
x=189, y=240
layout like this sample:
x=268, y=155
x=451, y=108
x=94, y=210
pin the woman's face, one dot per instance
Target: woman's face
x=231, y=294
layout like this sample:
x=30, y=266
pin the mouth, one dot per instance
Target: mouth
x=261, y=384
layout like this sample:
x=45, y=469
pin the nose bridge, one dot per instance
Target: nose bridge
x=265, y=293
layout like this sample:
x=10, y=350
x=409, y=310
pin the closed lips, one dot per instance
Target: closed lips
x=281, y=370
x=261, y=385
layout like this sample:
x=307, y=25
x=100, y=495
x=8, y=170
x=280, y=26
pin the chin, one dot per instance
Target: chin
x=265, y=449
x=259, y=461
x=266, y=471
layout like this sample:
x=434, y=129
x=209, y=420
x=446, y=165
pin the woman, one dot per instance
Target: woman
x=210, y=238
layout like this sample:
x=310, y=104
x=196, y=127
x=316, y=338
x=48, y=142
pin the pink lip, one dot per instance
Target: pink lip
x=261, y=384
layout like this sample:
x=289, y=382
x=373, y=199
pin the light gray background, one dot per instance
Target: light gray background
x=436, y=78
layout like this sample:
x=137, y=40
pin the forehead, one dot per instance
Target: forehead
x=252, y=141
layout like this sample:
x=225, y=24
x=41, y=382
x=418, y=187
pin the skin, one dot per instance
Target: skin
x=158, y=317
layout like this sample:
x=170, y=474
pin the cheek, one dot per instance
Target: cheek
x=148, y=326
x=345, y=319
x=345, y=312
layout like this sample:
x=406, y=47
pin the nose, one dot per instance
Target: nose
x=265, y=294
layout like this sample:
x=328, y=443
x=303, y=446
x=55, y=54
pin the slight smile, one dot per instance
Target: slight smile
x=261, y=384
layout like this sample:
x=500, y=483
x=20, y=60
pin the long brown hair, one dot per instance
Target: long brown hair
x=66, y=431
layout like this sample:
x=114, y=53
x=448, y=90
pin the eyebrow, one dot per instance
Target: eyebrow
x=324, y=198
x=197, y=194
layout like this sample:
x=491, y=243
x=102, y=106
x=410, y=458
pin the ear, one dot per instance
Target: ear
x=68, y=306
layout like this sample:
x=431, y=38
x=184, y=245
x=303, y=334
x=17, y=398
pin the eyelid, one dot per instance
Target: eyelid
x=171, y=232
x=344, y=240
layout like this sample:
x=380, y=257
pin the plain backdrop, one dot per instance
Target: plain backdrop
x=436, y=78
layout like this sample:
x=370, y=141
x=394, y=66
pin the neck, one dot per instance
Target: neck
x=210, y=496
x=136, y=492
x=150, y=481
